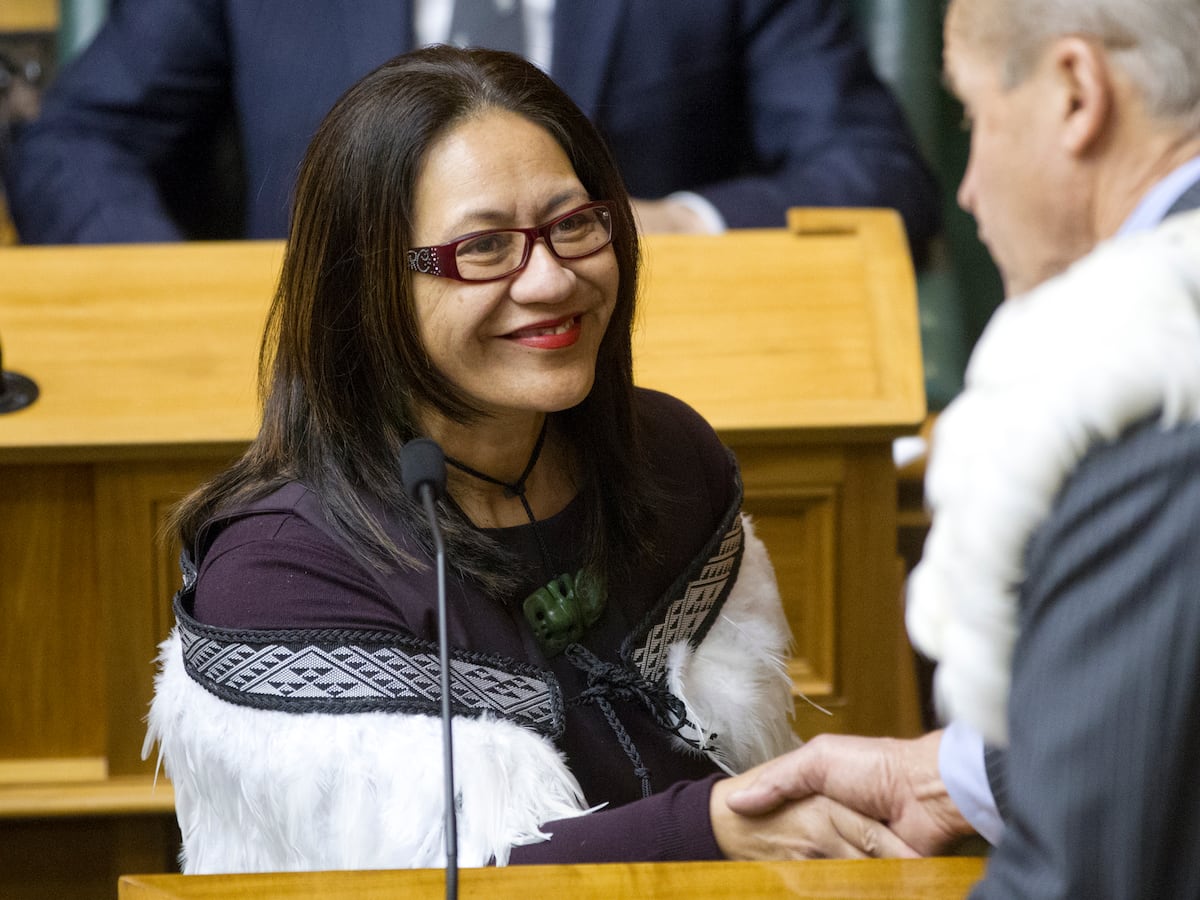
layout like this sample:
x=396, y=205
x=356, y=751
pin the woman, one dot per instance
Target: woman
x=462, y=264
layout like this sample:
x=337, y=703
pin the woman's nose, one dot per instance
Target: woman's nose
x=545, y=278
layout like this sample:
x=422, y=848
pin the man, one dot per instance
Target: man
x=721, y=113
x=1058, y=586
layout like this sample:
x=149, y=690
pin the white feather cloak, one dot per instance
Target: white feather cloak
x=1071, y=364
x=265, y=790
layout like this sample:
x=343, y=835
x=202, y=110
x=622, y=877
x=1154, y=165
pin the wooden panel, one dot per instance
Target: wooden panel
x=138, y=574
x=52, y=693
x=799, y=534
x=795, y=501
x=116, y=795
x=135, y=346
x=823, y=514
x=875, y=659
x=28, y=15
x=816, y=325
x=785, y=332
x=873, y=879
x=51, y=770
x=82, y=859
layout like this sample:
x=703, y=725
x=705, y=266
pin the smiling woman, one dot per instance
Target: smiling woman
x=462, y=264
x=516, y=326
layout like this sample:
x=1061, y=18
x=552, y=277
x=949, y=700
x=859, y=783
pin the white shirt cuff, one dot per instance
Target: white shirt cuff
x=960, y=763
x=714, y=222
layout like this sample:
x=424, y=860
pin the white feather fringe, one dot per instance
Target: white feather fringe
x=736, y=683
x=1071, y=364
x=261, y=790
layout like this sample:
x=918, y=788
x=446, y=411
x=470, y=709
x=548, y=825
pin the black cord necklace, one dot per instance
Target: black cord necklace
x=561, y=610
x=517, y=489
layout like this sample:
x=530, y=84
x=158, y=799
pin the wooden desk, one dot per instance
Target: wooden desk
x=28, y=15
x=875, y=879
x=800, y=347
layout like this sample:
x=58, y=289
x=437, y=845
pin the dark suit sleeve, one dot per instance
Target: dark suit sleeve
x=1104, y=714
x=84, y=172
x=823, y=129
x=756, y=105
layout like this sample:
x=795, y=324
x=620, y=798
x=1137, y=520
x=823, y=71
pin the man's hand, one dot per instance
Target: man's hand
x=667, y=217
x=813, y=828
x=894, y=781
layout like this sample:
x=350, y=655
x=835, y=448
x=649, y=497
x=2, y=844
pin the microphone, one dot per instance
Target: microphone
x=17, y=391
x=423, y=474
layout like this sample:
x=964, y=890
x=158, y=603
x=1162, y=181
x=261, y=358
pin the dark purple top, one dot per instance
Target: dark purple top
x=276, y=569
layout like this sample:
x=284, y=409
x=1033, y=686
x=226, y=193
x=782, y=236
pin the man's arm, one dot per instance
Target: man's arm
x=84, y=171
x=894, y=781
x=1103, y=799
x=823, y=128
x=754, y=106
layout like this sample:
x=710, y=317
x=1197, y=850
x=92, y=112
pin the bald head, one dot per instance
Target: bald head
x=1152, y=42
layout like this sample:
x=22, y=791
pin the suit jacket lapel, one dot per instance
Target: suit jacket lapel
x=1188, y=201
x=584, y=34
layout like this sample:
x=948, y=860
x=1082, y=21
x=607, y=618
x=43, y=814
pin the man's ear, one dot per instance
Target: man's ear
x=1086, y=90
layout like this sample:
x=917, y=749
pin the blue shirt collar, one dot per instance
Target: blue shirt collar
x=1153, y=207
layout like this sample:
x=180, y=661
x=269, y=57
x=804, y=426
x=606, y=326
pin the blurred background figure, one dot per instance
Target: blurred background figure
x=21, y=76
x=188, y=118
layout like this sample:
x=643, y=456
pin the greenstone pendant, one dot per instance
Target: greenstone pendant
x=560, y=611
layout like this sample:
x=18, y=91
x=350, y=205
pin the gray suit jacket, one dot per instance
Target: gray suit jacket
x=1099, y=787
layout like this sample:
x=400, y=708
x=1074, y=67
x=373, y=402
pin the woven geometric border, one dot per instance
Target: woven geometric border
x=315, y=671
x=695, y=604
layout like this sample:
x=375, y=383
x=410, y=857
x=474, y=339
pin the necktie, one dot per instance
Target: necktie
x=497, y=24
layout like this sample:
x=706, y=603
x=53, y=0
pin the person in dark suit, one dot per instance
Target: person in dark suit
x=1058, y=586
x=747, y=106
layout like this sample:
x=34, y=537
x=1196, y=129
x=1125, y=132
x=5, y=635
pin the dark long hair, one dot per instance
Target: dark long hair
x=342, y=370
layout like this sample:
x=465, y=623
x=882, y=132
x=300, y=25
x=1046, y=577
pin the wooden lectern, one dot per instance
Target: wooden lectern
x=947, y=878
x=800, y=345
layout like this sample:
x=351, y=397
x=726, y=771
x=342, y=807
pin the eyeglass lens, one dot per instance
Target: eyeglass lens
x=494, y=254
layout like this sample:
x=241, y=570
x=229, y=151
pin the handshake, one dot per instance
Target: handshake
x=840, y=796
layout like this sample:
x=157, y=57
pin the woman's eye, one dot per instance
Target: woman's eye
x=486, y=245
x=570, y=224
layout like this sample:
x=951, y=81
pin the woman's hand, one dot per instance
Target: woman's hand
x=812, y=828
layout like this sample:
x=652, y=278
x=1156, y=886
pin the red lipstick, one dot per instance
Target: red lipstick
x=553, y=335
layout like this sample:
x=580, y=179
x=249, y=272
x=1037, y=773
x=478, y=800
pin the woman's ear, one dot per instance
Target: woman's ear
x=1081, y=68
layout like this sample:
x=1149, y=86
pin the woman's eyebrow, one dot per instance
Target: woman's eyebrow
x=484, y=219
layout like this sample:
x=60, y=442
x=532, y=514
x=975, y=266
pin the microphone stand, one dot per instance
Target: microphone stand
x=423, y=471
x=451, y=823
x=16, y=391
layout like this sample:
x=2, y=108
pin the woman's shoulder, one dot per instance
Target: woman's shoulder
x=284, y=523
x=674, y=431
x=684, y=452
x=273, y=563
x=665, y=414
